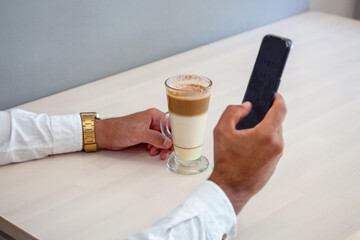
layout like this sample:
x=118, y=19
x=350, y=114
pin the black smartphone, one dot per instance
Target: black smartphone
x=265, y=78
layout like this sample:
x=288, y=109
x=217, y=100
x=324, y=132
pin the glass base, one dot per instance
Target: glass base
x=186, y=167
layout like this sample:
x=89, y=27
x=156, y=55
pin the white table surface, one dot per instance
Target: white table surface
x=314, y=193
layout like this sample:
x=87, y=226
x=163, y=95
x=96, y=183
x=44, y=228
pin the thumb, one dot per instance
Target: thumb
x=156, y=139
x=233, y=114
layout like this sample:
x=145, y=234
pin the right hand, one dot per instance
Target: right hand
x=246, y=159
x=127, y=131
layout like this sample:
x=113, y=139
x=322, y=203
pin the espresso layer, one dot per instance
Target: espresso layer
x=188, y=106
x=188, y=99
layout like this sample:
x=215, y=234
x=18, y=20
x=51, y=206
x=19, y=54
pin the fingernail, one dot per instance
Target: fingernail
x=167, y=143
x=246, y=104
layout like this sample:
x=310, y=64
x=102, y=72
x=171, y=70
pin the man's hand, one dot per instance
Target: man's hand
x=142, y=127
x=246, y=159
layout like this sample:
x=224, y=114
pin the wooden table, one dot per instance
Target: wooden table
x=314, y=193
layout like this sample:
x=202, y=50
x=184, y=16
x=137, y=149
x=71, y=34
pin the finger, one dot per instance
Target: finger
x=155, y=115
x=276, y=114
x=156, y=139
x=154, y=151
x=164, y=153
x=233, y=114
x=148, y=146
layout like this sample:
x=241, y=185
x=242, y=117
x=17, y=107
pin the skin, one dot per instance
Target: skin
x=246, y=159
x=141, y=127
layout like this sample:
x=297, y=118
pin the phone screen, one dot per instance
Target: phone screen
x=265, y=78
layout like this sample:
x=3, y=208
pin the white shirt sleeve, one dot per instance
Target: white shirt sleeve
x=206, y=214
x=26, y=136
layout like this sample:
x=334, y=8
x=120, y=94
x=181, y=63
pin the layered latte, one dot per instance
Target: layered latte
x=188, y=103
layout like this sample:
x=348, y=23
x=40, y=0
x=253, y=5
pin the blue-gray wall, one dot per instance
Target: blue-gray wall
x=47, y=46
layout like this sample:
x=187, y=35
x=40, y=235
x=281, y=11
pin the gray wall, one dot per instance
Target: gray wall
x=47, y=46
x=345, y=8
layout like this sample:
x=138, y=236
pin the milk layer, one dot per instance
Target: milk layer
x=188, y=135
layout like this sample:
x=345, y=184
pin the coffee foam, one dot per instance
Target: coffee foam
x=190, y=87
x=188, y=90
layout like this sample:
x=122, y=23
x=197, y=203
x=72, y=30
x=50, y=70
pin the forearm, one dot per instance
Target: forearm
x=26, y=136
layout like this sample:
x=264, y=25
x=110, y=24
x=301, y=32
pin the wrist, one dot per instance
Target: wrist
x=99, y=130
x=237, y=196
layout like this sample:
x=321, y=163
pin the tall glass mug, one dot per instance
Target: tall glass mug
x=188, y=101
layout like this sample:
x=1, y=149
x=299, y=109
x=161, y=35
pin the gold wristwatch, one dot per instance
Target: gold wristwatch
x=88, y=122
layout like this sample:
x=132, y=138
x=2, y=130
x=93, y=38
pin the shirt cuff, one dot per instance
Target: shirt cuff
x=66, y=133
x=219, y=213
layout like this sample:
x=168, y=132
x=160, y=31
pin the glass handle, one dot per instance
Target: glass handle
x=164, y=125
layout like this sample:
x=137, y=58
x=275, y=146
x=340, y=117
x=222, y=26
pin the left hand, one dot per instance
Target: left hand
x=141, y=127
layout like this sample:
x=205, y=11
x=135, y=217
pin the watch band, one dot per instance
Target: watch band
x=88, y=126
